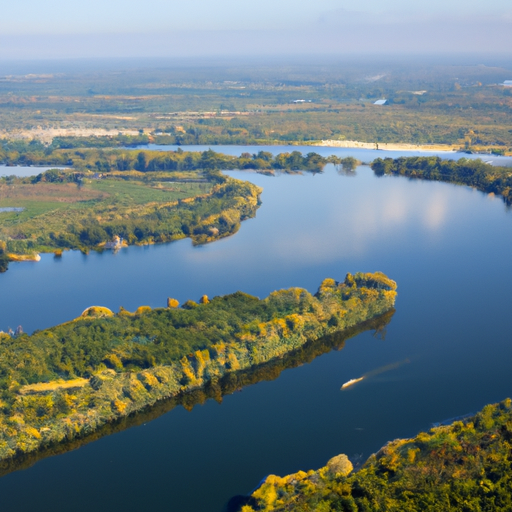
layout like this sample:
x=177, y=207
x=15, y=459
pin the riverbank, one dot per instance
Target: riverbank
x=465, y=464
x=65, y=211
x=387, y=146
x=135, y=360
x=401, y=146
x=214, y=390
x=484, y=177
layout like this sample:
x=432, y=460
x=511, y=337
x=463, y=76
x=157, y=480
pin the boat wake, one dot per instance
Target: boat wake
x=373, y=373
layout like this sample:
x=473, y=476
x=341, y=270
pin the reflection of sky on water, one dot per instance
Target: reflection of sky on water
x=346, y=223
x=446, y=246
x=308, y=227
x=9, y=209
x=436, y=211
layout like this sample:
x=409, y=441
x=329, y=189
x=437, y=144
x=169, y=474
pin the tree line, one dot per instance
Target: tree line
x=465, y=466
x=475, y=173
x=106, y=160
x=71, y=379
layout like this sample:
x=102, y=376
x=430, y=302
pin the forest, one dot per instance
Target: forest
x=214, y=390
x=4, y=259
x=465, y=466
x=67, y=381
x=106, y=160
x=474, y=173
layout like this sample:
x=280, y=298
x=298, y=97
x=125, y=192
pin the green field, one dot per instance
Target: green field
x=123, y=192
x=114, y=192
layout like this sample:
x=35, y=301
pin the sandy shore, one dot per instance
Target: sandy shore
x=24, y=257
x=387, y=146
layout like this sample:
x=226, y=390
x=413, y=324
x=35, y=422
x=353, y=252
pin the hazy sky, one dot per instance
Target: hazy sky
x=163, y=27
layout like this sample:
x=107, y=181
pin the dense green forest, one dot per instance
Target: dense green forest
x=67, y=381
x=465, y=466
x=475, y=173
x=213, y=390
x=4, y=259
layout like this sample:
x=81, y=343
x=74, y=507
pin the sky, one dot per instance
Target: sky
x=123, y=28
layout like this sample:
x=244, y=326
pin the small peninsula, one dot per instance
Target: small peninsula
x=215, y=389
x=65, y=209
x=111, y=198
x=462, y=466
x=68, y=381
x=487, y=178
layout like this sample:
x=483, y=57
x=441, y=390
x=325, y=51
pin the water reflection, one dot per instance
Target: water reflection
x=304, y=222
x=216, y=390
x=363, y=220
x=447, y=246
x=436, y=210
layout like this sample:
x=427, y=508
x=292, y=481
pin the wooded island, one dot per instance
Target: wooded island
x=69, y=380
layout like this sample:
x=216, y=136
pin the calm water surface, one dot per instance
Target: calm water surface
x=22, y=171
x=448, y=247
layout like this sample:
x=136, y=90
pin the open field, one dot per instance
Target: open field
x=56, y=385
x=58, y=192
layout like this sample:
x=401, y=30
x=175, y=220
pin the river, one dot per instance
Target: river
x=447, y=246
x=24, y=171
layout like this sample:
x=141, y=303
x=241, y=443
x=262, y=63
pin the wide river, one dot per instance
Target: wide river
x=447, y=350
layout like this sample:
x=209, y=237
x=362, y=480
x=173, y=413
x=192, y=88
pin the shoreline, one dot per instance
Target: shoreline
x=117, y=394
x=211, y=390
x=242, y=207
x=387, y=146
x=17, y=258
x=448, y=463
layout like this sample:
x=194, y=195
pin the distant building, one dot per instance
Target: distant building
x=299, y=101
x=115, y=244
x=380, y=102
x=507, y=83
